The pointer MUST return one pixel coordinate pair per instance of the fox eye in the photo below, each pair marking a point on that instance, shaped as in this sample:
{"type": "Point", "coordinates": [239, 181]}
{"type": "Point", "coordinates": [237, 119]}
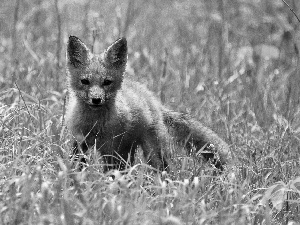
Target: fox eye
{"type": "Point", "coordinates": [85, 81]}
{"type": "Point", "coordinates": [107, 82]}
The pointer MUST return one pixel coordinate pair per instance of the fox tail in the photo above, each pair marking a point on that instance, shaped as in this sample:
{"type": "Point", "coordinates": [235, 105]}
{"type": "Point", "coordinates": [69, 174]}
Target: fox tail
{"type": "Point", "coordinates": [194, 135]}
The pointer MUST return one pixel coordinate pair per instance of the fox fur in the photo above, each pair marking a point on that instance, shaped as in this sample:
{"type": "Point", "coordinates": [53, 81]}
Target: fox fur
{"type": "Point", "coordinates": [114, 114]}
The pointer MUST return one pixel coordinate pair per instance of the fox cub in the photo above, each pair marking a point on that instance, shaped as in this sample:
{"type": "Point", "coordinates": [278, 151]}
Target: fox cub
{"type": "Point", "coordinates": [113, 114]}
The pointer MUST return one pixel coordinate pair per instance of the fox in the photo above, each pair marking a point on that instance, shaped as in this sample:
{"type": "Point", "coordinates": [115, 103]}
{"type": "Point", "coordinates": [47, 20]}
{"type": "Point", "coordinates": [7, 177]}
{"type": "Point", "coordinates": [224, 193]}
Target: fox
{"type": "Point", "coordinates": [114, 114]}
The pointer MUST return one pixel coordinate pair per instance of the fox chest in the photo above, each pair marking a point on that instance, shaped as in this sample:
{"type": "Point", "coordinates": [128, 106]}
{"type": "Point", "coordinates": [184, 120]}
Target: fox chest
{"type": "Point", "coordinates": [104, 135]}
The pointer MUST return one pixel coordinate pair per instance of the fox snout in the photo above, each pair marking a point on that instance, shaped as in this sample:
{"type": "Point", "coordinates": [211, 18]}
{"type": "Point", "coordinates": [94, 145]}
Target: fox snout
{"type": "Point", "coordinates": [96, 101]}
{"type": "Point", "coordinates": [96, 95]}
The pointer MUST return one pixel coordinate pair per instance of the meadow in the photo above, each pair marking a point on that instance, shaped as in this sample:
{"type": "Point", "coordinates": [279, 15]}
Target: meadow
{"type": "Point", "coordinates": [233, 65]}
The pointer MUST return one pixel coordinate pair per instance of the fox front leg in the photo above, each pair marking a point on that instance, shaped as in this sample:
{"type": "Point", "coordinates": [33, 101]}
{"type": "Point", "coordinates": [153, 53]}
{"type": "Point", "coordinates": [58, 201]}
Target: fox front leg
{"type": "Point", "coordinates": [119, 161]}
{"type": "Point", "coordinates": [79, 154]}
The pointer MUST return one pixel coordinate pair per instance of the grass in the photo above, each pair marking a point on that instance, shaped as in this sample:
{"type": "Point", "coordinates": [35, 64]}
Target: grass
{"type": "Point", "coordinates": [39, 184]}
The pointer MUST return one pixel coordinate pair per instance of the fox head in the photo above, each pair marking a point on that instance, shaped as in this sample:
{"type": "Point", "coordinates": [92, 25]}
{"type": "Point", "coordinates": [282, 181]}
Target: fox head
{"type": "Point", "coordinates": [95, 79]}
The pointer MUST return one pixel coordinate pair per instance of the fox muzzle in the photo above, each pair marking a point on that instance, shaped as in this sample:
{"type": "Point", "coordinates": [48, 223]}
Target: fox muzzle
{"type": "Point", "coordinates": [96, 95]}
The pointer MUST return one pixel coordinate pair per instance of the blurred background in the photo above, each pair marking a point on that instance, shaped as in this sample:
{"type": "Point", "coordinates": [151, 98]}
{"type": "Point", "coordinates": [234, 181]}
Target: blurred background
{"type": "Point", "coordinates": [219, 60]}
{"type": "Point", "coordinates": [232, 64]}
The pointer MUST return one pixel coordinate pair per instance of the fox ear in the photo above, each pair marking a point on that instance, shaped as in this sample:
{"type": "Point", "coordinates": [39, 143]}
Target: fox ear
{"type": "Point", "coordinates": [115, 56]}
{"type": "Point", "coordinates": [78, 53]}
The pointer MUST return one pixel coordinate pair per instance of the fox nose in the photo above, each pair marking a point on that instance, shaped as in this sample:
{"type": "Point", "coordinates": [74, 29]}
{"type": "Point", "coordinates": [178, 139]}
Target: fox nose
{"type": "Point", "coordinates": [96, 101]}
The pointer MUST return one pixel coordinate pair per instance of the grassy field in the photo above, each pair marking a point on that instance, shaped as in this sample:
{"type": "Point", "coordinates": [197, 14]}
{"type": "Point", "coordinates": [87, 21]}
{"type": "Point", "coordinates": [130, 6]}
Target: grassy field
{"type": "Point", "coordinates": [233, 65]}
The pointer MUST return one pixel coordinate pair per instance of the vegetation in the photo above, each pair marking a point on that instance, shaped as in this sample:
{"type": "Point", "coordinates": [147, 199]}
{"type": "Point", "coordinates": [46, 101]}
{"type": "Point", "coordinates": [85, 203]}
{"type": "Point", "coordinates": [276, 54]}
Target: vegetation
{"type": "Point", "coordinates": [231, 64]}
